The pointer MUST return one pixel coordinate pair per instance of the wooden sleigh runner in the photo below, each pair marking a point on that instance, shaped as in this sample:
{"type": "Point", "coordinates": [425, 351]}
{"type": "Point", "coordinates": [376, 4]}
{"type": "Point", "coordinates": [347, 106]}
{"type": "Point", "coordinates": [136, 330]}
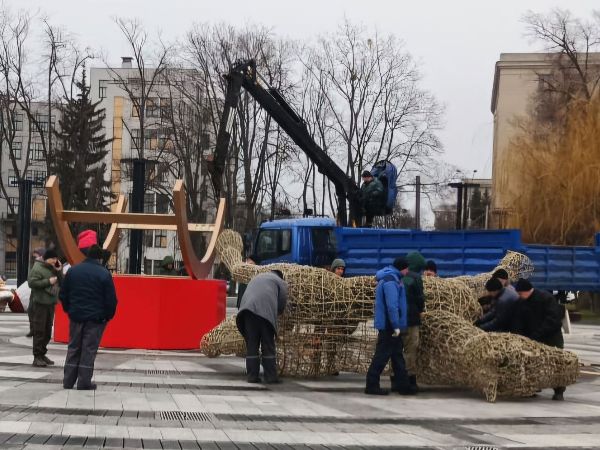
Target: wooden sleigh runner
{"type": "Point", "coordinates": [120, 220]}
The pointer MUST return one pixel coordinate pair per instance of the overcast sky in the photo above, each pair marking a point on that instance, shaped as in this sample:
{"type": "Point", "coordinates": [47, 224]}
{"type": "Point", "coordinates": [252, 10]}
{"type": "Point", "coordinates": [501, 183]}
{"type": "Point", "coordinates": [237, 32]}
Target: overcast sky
{"type": "Point", "coordinates": [456, 42]}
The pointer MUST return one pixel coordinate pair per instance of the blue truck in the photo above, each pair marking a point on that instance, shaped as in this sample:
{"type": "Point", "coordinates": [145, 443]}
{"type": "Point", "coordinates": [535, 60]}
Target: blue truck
{"type": "Point", "coordinates": [317, 241]}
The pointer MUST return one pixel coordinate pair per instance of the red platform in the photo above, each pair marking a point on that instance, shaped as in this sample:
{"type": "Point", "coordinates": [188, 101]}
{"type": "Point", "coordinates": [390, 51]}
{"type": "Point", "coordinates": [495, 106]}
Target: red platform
{"type": "Point", "coordinates": [158, 313]}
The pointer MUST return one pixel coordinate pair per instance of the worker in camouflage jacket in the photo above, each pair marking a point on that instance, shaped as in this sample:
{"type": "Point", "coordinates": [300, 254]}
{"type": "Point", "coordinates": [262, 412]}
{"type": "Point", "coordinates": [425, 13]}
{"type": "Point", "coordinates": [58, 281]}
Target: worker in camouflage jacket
{"type": "Point", "coordinates": [372, 198]}
{"type": "Point", "coordinates": [415, 299]}
{"type": "Point", "coordinates": [44, 280]}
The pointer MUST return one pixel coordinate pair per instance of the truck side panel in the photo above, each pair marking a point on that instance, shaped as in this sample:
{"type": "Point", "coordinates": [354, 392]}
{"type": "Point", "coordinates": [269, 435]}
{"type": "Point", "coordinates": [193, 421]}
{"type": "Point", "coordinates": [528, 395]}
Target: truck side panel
{"type": "Point", "coordinates": [456, 252]}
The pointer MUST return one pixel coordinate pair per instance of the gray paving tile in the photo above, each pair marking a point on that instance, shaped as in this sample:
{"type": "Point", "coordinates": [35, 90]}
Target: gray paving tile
{"type": "Point", "coordinates": [132, 443]}
{"type": "Point", "coordinates": [113, 442]}
{"type": "Point", "coordinates": [187, 444]}
{"type": "Point", "coordinates": [57, 440]}
{"type": "Point", "coordinates": [151, 443]}
{"type": "Point", "coordinates": [94, 442]}
{"type": "Point", "coordinates": [170, 444]}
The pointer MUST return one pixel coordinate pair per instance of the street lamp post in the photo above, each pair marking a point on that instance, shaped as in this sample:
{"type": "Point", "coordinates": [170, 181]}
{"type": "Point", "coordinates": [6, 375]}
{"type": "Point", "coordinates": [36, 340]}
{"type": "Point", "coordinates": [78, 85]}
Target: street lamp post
{"type": "Point", "coordinates": [24, 225]}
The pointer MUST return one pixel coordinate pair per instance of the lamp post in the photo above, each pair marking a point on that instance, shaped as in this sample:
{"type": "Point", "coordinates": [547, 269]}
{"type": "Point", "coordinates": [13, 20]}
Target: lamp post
{"type": "Point", "coordinates": [24, 225]}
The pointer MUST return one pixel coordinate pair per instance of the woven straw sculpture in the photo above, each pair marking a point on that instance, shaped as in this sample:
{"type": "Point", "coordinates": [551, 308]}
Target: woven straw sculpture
{"type": "Point", "coordinates": [328, 327]}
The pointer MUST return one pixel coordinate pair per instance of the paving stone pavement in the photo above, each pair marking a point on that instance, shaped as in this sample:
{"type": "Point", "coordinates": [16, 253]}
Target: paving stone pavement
{"type": "Point", "coordinates": [181, 400]}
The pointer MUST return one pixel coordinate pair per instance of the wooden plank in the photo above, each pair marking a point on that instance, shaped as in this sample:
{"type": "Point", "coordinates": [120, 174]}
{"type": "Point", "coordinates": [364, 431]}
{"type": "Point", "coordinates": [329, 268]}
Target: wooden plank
{"type": "Point", "coordinates": [116, 217]}
{"type": "Point", "coordinates": [205, 227]}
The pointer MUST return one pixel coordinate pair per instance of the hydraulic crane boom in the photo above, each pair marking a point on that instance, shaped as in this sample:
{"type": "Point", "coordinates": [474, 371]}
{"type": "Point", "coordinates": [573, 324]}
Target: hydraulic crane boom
{"type": "Point", "coordinates": [243, 74]}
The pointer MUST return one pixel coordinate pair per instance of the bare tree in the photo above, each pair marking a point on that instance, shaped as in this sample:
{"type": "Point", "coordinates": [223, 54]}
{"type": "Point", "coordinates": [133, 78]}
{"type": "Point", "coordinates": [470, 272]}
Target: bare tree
{"type": "Point", "coordinates": [379, 110]}
{"type": "Point", "coordinates": [573, 41]}
{"type": "Point", "coordinates": [211, 50]}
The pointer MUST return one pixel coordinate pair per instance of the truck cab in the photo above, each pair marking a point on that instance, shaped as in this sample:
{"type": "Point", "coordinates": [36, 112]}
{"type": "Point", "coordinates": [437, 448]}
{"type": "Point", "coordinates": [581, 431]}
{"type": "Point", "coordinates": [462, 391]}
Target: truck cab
{"type": "Point", "coordinates": [310, 242]}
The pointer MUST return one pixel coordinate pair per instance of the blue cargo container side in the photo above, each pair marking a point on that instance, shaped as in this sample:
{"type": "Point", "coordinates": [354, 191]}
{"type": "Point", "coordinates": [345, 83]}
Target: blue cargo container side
{"type": "Point", "coordinates": [455, 252]}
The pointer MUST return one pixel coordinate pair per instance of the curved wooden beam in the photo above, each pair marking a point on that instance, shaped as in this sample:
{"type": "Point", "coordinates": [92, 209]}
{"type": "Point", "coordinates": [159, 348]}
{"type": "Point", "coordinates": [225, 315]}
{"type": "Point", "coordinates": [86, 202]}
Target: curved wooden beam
{"type": "Point", "coordinates": [112, 238]}
{"type": "Point", "coordinates": [196, 268]}
{"type": "Point", "coordinates": [63, 232]}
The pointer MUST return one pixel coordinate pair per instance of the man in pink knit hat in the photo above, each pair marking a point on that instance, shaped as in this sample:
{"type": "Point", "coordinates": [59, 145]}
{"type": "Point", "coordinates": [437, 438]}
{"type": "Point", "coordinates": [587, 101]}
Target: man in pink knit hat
{"type": "Point", "coordinates": [86, 239]}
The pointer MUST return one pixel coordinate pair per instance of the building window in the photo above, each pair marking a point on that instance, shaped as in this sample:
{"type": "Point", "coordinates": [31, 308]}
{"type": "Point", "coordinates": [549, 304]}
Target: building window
{"type": "Point", "coordinates": [37, 151]}
{"type": "Point", "coordinates": [162, 204]}
{"type": "Point", "coordinates": [36, 175]}
{"type": "Point", "coordinates": [14, 203]}
{"type": "Point", "coordinates": [135, 108]}
{"type": "Point", "coordinates": [10, 264]}
{"type": "Point", "coordinates": [160, 238]}
{"type": "Point", "coordinates": [42, 121]}
{"type": "Point", "coordinates": [17, 146]}
{"type": "Point", "coordinates": [148, 238]}
{"type": "Point", "coordinates": [152, 107]}
{"type": "Point", "coordinates": [12, 178]}
{"type": "Point", "coordinates": [17, 119]}
{"type": "Point", "coordinates": [102, 88]}
{"type": "Point", "coordinates": [135, 137]}
{"type": "Point", "coordinates": [149, 203]}
{"type": "Point", "coordinates": [165, 108]}
{"type": "Point", "coordinates": [151, 139]}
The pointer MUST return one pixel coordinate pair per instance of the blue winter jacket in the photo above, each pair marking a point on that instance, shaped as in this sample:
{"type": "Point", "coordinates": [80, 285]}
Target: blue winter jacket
{"type": "Point", "coordinates": [390, 300]}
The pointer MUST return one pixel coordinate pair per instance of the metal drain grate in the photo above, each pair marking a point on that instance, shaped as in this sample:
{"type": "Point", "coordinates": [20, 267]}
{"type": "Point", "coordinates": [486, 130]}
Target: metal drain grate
{"type": "Point", "coordinates": [184, 415]}
{"type": "Point", "coordinates": [481, 447]}
{"type": "Point", "coordinates": [161, 372]}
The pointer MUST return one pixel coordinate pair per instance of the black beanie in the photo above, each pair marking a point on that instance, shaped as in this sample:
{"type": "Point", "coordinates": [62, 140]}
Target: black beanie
{"type": "Point", "coordinates": [431, 265]}
{"type": "Point", "coordinates": [523, 285]}
{"type": "Point", "coordinates": [501, 273]}
{"type": "Point", "coordinates": [95, 252]}
{"type": "Point", "coordinates": [50, 253]}
{"type": "Point", "coordinates": [493, 284]}
{"type": "Point", "coordinates": [400, 263]}
{"type": "Point", "coordinates": [366, 173]}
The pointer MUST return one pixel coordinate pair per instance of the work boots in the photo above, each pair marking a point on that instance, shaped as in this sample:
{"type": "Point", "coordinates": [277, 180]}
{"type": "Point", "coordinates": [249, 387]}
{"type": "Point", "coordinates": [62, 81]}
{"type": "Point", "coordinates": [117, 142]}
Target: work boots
{"type": "Point", "coordinates": [270, 370]}
{"type": "Point", "coordinates": [253, 369]}
{"type": "Point", "coordinates": [412, 380]}
{"type": "Point", "coordinates": [47, 360]}
{"type": "Point", "coordinates": [39, 362]}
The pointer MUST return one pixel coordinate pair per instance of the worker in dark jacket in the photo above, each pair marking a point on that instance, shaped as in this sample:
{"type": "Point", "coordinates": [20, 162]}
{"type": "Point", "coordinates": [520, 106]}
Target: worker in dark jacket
{"type": "Point", "coordinates": [264, 299]}
{"type": "Point", "coordinates": [538, 316]}
{"type": "Point", "coordinates": [390, 319]}
{"type": "Point", "coordinates": [88, 297]}
{"type": "Point", "coordinates": [372, 198]}
{"type": "Point", "coordinates": [500, 316]}
{"type": "Point", "coordinates": [415, 299]}
{"type": "Point", "coordinates": [167, 267]}
{"type": "Point", "coordinates": [44, 280]}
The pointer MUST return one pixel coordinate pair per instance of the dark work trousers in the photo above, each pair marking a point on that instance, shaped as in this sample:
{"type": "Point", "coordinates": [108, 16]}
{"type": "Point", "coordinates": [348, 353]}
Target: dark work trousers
{"type": "Point", "coordinates": [387, 347]}
{"type": "Point", "coordinates": [259, 333]}
{"type": "Point", "coordinates": [84, 339]}
{"type": "Point", "coordinates": [30, 315]}
{"type": "Point", "coordinates": [43, 317]}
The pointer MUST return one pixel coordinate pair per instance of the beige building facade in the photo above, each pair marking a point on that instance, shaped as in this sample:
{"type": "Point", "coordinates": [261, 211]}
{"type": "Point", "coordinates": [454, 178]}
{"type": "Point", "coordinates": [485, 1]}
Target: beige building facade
{"type": "Point", "coordinates": [517, 78]}
{"type": "Point", "coordinates": [121, 123]}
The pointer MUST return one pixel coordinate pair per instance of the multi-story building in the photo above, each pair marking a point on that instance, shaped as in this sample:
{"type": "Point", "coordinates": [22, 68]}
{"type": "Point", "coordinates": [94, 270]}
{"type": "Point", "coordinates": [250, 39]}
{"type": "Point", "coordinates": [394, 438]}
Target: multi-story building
{"type": "Point", "coordinates": [116, 90]}
{"type": "Point", "coordinates": [22, 156]}
{"type": "Point", "coordinates": [517, 78]}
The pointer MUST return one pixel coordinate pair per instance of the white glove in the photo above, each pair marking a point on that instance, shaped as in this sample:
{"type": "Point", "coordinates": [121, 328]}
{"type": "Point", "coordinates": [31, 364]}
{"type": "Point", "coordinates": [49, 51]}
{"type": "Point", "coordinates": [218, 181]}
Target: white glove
{"type": "Point", "coordinates": [396, 332]}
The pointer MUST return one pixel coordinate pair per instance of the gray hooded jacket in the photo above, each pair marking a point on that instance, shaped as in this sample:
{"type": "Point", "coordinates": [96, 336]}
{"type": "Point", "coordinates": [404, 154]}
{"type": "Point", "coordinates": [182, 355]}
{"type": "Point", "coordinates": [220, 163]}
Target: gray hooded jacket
{"type": "Point", "coordinates": [265, 296]}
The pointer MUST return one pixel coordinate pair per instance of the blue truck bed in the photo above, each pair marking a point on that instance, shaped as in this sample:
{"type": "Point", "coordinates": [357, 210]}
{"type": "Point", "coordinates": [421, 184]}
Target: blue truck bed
{"type": "Point", "coordinates": [470, 252]}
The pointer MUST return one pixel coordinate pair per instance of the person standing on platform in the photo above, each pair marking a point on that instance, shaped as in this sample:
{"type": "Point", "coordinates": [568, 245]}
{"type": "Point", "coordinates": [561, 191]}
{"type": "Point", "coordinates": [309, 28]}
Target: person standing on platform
{"type": "Point", "coordinates": [88, 297]}
{"type": "Point", "coordinates": [44, 281]}
{"type": "Point", "coordinates": [263, 301]}
{"type": "Point", "coordinates": [38, 255]}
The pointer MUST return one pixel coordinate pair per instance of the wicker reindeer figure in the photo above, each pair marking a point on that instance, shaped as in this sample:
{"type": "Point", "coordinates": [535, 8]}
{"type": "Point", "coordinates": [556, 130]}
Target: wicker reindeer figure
{"type": "Point", "coordinates": [327, 328]}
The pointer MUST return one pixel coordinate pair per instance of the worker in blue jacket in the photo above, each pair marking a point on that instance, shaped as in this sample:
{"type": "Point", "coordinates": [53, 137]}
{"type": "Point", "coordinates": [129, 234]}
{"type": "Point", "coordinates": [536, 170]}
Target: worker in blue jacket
{"type": "Point", "coordinates": [390, 319]}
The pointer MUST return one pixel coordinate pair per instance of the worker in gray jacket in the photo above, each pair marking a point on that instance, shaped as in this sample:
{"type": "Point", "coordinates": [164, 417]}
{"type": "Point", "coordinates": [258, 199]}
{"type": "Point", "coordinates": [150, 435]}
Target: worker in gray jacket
{"type": "Point", "coordinates": [264, 299]}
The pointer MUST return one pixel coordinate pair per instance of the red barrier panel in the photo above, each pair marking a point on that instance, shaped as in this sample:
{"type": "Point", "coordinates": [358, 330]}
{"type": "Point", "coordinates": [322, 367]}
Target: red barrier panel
{"type": "Point", "coordinates": [158, 313]}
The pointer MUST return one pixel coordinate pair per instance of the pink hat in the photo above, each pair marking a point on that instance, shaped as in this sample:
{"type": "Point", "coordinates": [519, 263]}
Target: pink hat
{"type": "Point", "coordinates": [86, 239]}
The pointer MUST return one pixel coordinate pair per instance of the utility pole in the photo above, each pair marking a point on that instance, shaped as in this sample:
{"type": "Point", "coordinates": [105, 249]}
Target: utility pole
{"type": "Point", "coordinates": [418, 203]}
